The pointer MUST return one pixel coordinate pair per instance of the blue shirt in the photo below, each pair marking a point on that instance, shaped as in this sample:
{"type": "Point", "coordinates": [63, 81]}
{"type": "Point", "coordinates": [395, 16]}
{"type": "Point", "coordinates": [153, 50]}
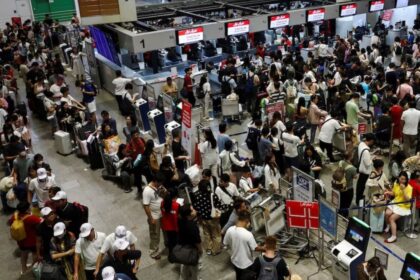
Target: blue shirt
{"type": "Point", "coordinates": [87, 98]}
{"type": "Point", "coordinates": [221, 140]}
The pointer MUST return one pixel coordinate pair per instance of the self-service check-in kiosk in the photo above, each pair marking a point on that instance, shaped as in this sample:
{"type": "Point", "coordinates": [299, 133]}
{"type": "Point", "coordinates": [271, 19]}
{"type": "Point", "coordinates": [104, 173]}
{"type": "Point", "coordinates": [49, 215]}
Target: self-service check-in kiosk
{"type": "Point", "coordinates": [157, 122]}
{"type": "Point", "coordinates": [411, 267]}
{"type": "Point", "coordinates": [142, 108]}
{"type": "Point", "coordinates": [350, 252]}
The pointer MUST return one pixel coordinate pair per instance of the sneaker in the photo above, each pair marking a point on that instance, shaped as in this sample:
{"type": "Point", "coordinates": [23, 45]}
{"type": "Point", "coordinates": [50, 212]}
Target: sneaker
{"type": "Point", "coordinates": [128, 190]}
{"type": "Point", "coordinates": [208, 252]}
{"type": "Point", "coordinates": [210, 119]}
{"type": "Point", "coordinates": [155, 255]}
{"type": "Point", "coordinates": [392, 239]}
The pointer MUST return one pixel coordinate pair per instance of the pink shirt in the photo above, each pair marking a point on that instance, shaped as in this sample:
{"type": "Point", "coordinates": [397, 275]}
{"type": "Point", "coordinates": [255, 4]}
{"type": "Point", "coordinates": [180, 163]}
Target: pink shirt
{"type": "Point", "coordinates": [403, 90]}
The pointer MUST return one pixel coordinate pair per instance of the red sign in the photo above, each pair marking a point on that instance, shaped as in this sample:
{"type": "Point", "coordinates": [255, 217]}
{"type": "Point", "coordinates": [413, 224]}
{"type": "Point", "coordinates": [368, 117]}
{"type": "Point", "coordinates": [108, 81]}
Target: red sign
{"type": "Point", "coordinates": [348, 10]}
{"type": "Point", "coordinates": [377, 5]}
{"type": "Point", "coordinates": [279, 21]}
{"type": "Point", "coordinates": [362, 128]}
{"type": "Point", "coordinates": [270, 108]}
{"type": "Point", "coordinates": [186, 113]}
{"type": "Point", "coordinates": [191, 35]}
{"type": "Point", "coordinates": [387, 15]}
{"type": "Point", "coordinates": [302, 214]}
{"type": "Point", "coordinates": [237, 27]}
{"type": "Point", "coordinates": [316, 15]}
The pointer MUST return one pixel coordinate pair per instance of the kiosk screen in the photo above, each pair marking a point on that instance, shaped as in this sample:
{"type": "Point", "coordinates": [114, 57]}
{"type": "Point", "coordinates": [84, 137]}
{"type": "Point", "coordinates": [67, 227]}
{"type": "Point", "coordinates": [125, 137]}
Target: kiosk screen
{"type": "Point", "coordinates": [411, 268]}
{"type": "Point", "coordinates": [357, 234]}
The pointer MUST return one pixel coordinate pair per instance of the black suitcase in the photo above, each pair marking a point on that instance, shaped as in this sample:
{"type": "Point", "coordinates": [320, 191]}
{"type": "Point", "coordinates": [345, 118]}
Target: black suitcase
{"type": "Point", "coordinates": [95, 157]}
{"type": "Point", "coordinates": [21, 109]}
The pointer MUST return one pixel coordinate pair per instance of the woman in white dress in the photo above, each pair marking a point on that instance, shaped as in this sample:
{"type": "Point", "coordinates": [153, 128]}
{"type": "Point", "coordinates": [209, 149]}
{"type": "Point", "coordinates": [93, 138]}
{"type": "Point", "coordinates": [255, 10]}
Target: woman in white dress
{"type": "Point", "coordinates": [78, 68]}
{"type": "Point", "coordinates": [271, 174]}
{"type": "Point", "coordinates": [208, 150]}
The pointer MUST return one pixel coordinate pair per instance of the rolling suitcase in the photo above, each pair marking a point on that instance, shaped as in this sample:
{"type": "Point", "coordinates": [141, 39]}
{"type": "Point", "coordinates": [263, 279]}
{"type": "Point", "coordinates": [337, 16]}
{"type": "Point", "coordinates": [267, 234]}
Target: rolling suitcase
{"type": "Point", "coordinates": [95, 157]}
{"type": "Point", "coordinates": [62, 142]}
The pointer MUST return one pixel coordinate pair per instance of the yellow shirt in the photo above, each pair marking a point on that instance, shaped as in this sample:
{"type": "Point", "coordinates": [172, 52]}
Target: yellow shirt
{"type": "Point", "coordinates": [170, 90]}
{"type": "Point", "coordinates": [399, 195]}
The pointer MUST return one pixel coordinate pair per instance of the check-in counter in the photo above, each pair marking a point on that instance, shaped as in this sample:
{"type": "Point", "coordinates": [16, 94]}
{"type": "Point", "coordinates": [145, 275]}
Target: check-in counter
{"type": "Point", "coordinates": [394, 33]}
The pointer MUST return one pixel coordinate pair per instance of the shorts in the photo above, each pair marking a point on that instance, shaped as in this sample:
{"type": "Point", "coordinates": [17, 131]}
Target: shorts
{"type": "Point", "coordinates": [27, 249]}
{"type": "Point", "coordinates": [91, 106]}
{"type": "Point", "coordinates": [396, 209]}
{"type": "Point", "coordinates": [292, 162]}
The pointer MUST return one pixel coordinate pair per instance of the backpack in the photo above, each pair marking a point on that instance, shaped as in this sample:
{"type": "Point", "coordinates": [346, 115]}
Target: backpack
{"type": "Point", "coordinates": [249, 86]}
{"type": "Point", "coordinates": [84, 211]}
{"type": "Point", "coordinates": [225, 86]}
{"type": "Point", "coordinates": [291, 91]}
{"type": "Point", "coordinates": [252, 138]}
{"type": "Point", "coordinates": [356, 160]}
{"type": "Point", "coordinates": [268, 270]}
{"type": "Point", "coordinates": [200, 93]}
{"type": "Point", "coordinates": [17, 228]}
{"type": "Point", "coordinates": [398, 50]}
{"type": "Point", "coordinates": [126, 105]}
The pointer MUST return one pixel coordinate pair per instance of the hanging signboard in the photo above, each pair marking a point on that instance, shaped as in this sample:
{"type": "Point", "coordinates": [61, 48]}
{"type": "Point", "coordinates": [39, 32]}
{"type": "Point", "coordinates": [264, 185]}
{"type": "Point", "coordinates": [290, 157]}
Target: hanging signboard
{"type": "Point", "coordinates": [191, 35]}
{"type": "Point", "coordinates": [316, 15]}
{"type": "Point", "coordinates": [348, 10]}
{"type": "Point", "coordinates": [303, 186]}
{"type": "Point", "coordinates": [186, 126]}
{"type": "Point", "coordinates": [376, 5]}
{"type": "Point", "coordinates": [401, 3]}
{"type": "Point", "coordinates": [237, 27]}
{"type": "Point", "coordinates": [278, 21]}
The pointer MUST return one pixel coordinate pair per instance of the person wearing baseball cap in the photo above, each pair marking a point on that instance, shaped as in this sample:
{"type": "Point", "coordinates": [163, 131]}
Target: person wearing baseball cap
{"type": "Point", "coordinates": [87, 250]}
{"type": "Point", "coordinates": [120, 232]}
{"type": "Point", "coordinates": [123, 258]}
{"type": "Point", "coordinates": [108, 273]}
{"type": "Point", "coordinates": [73, 213]}
{"type": "Point", "coordinates": [62, 248]}
{"type": "Point", "coordinates": [40, 186]}
{"type": "Point", "coordinates": [45, 232]}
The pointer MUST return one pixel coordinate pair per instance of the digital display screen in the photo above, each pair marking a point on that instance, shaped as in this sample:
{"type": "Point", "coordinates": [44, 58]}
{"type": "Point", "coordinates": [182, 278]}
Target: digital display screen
{"type": "Point", "coordinates": [377, 5]}
{"type": "Point", "coordinates": [358, 234]}
{"type": "Point", "coordinates": [191, 35]}
{"type": "Point", "coordinates": [401, 3]}
{"type": "Point", "coordinates": [278, 21]}
{"type": "Point", "coordinates": [316, 15]}
{"type": "Point", "coordinates": [348, 10]}
{"type": "Point", "coordinates": [237, 27]}
{"type": "Point", "coordinates": [411, 268]}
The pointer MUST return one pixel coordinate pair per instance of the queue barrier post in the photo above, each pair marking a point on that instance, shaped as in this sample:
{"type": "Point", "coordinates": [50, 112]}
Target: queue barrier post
{"type": "Point", "coordinates": [411, 233]}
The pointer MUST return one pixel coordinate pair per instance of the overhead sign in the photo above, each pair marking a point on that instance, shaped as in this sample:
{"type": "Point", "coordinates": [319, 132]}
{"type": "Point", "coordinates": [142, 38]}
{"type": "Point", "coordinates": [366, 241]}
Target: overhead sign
{"type": "Point", "coordinates": [302, 214]}
{"type": "Point", "coordinates": [316, 15]}
{"type": "Point", "coordinates": [278, 21]}
{"type": "Point", "coordinates": [237, 27]}
{"type": "Point", "coordinates": [348, 10]}
{"type": "Point", "coordinates": [191, 35]}
{"type": "Point", "coordinates": [376, 5]}
{"type": "Point", "coordinates": [401, 3]}
{"type": "Point", "coordinates": [387, 15]}
{"type": "Point", "coordinates": [303, 186]}
{"type": "Point", "coordinates": [186, 126]}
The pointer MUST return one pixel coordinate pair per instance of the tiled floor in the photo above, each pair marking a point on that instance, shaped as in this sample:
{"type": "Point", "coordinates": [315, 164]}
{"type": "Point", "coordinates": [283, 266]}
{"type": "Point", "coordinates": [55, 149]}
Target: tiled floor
{"type": "Point", "coordinates": [110, 206]}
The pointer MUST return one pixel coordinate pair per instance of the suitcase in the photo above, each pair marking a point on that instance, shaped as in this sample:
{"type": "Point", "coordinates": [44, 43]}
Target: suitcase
{"type": "Point", "coordinates": [95, 156]}
{"type": "Point", "coordinates": [21, 109]}
{"type": "Point", "coordinates": [62, 142]}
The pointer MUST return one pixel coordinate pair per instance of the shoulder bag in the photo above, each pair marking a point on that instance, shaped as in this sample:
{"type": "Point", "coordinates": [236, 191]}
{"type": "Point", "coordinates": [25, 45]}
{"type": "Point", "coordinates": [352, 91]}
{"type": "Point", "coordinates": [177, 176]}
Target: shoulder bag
{"type": "Point", "coordinates": [184, 254]}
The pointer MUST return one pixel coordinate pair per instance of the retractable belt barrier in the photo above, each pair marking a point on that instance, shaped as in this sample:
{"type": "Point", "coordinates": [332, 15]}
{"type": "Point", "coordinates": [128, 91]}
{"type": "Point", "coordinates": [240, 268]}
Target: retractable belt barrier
{"type": "Point", "coordinates": [237, 134]}
{"type": "Point", "coordinates": [374, 206]}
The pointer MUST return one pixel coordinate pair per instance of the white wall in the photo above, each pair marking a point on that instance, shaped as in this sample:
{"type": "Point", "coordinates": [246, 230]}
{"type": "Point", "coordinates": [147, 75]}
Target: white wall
{"type": "Point", "coordinates": [346, 24]}
{"type": "Point", "coordinates": [14, 8]}
{"type": "Point", "coordinates": [408, 14]}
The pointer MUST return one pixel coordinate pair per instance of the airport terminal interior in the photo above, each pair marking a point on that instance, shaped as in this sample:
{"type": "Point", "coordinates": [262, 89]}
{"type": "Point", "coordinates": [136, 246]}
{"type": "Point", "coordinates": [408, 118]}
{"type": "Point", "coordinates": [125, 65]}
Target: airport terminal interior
{"type": "Point", "coordinates": [187, 140]}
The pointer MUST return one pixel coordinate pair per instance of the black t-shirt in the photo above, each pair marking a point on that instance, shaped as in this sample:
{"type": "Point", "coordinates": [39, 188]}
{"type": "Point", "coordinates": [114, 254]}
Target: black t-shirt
{"type": "Point", "coordinates": [391, 78]}
{"type": "Point", "coordinates": [11, 150]}
{"type": "Point", "coordinates": [124, 266]}
{"type": "Point", "coordinates": [46, 232]}
{"type": "Point", "coordinates": [188, 231]}
{"type": "Point", "coordinates": [281, 267]}
{"type": "Point", "coordinates": [73, 214]}
{"type": "Point", "coordinates": [177, 151]}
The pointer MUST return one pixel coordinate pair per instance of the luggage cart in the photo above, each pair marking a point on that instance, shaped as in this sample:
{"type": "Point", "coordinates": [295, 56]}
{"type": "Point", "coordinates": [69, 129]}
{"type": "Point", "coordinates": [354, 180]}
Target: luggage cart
{"type": "Point", "coordinates": [231, 109]}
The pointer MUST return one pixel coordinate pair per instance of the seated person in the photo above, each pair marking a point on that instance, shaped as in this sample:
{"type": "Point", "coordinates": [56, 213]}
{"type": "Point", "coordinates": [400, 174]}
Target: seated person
{"type": "Point", "coordinates": [371, 269]}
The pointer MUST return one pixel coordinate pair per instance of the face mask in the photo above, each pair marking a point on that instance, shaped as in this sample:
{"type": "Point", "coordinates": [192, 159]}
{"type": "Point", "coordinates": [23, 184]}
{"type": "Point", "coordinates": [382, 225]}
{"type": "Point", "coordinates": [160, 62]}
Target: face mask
{"type": "Point", "coordinates": [61, 236]}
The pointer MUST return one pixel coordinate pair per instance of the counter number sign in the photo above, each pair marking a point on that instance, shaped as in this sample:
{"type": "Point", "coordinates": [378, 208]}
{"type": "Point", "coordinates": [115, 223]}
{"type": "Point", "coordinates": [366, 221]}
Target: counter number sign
{"type": "Point", "coordinates": [191, 35]}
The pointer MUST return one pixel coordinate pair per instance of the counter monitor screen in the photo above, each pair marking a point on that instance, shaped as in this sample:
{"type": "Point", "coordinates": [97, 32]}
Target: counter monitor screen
{"type": "Point", "coordinates": [401, 3]}
{"type": "Point", "coordinates": [376, 5]}
{"type": "Point", "coordinates": [348, 10]}
{"type": "Point", "coordinates": [237, 27]}
{"type": "Point", "coordinates": [316, 15]}
{"type": "Point", "coordinates": [411, 268]}
{"type": "Point", "coordinates": [190, 35]}
{"type": "Point", "coordinates": [278, 21]}
{"type": "Point", "coordinates": [358, 234]}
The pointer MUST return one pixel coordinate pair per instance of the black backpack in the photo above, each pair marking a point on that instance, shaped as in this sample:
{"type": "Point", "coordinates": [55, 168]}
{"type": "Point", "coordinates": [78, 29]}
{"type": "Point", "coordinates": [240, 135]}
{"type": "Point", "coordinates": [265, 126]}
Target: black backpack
{"type": "Point", "coordinates": [200, 93]}
{"type": "Point", "coordinates": [398, 50]}
{"type": "Point", "coordinates": [252, 138]}
{"type": "Point", "coordinates": [126, 105]}
{"type": "Point", "coordinates": [225, 86]}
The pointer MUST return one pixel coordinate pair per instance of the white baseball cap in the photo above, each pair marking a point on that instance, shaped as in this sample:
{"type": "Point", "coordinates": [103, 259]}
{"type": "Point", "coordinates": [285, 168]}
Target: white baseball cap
{"type": "Point", "coordinates": [60, 195]}
{"type": "Point", "coordinates": [59, 228]}
{"type": "Point", "coordinates": [108, 273]}
{"type": "Point", "coordinates": [41, 173]}
{"type": "Point", "coordinates": [46, 211]}
{"type": "Point", "coordinates": [85, 230]}
{"type": "Point", "coordinates": [120, 232]}
{"type": "Point", "coordinates": [120, 244]}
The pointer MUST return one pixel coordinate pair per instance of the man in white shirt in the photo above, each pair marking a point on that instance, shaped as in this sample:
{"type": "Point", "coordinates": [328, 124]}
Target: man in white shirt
{"type": "Point", "coordinates": [107, 246]}
{"type": "Point", "coordinates": [410, 121]}
{"type": "Point", "coordinates": [151, 204]}
{"type": "Point", "coordinates": [87, 249]}
{"type": "Point", "coordinates": [308, 73]}
{"type": "Point", "coordinates": [119, 82]}
{"type": "Point", "coordinates": [242, 244]}
{"type": "Point", "coordinates": [291, 141]}
{"type": "Point", "coordinates": [328, 128]}
{"type": "Point", "coordinates": [56, 89]}
{"type": "Point", "coordinates": [365, 164]}
{"type": "Point", "coordinates": [226, 190]}
{"type": "Point", "coordinates": [245, 183]}
{"type": "Point", "coordinates": [40, 186]}
{"type": "Point", "coordinates": [375, 39]}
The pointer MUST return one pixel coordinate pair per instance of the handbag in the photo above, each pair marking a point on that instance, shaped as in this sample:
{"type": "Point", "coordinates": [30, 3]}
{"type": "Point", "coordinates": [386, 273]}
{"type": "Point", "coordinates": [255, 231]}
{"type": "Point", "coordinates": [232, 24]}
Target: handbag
{"type": "Point", "coordinates": [37, 270]}
{"type": "Point", "coordinates": [215, 213]}
{"type": "Point", "coordinates": [51, 271]}
{"type": "Point", "coordinates": [184, 254]}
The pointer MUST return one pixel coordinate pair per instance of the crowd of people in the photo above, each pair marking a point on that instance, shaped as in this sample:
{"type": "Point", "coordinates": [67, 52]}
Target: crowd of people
{"type": "Point", "coordinates": [330, 93]}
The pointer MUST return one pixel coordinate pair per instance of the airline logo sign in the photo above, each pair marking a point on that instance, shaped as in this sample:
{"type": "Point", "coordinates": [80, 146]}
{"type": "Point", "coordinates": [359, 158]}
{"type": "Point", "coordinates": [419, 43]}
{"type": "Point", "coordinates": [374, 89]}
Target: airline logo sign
{"type": "Point", "coordinates": [237, 27]}
{"type": "Point", "coordinates": [316, 15]}
{"type": "Point", "coordinates": [192, 35]}
{"type": "Point", "coordinates": [377, 5]}
{"type": "Point", "coordinates": [348, 10]}
{"type": "Point", "coordinates": [279, 21]}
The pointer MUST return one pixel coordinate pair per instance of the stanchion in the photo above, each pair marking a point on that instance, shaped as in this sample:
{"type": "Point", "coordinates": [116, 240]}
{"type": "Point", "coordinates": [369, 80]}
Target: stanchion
{"type": "Point", "coordinates": [411, 234]}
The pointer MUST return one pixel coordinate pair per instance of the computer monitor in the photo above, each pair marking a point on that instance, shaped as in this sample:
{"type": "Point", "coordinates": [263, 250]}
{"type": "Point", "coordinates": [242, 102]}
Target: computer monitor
{"type": "Point", "coordinates": [358, 234]}
{"type": "Point", "coordinates": [411, 267]}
